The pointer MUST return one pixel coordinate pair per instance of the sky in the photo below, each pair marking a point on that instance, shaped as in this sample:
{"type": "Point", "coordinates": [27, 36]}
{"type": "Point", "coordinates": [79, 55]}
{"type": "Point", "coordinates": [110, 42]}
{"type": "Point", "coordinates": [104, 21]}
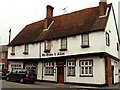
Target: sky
{"type": "Point", "coordinates": [16, 14]}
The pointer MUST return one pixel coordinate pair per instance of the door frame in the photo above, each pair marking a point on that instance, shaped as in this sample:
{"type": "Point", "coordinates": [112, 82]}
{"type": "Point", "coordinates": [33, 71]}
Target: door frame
{"type": "Point", "coordinates": [60, 65]}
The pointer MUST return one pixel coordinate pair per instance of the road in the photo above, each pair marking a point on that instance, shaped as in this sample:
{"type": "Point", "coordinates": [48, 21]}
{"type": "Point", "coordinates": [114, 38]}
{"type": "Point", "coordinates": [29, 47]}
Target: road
{"type": "Point", "coordinates": [48, 85]}
{"type": "Point", "coordinates": [8, 84]}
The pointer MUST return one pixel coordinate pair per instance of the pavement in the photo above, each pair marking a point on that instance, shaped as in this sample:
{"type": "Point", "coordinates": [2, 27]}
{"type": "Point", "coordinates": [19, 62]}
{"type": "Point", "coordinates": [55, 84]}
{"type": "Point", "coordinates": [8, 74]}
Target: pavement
{"type": "Point", "coordinates": [58, 85]}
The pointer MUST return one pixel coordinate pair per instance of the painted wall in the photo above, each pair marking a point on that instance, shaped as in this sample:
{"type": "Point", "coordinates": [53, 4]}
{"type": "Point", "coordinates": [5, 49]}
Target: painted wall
{"type": "Point", "coordinates": [96, 44]}
{"type": "Point", "coordinates": [119, 71]}
{"type": "Point", "coordinates": [111, 29]}
{"type": "Point", "coordinates": [98, 72]}
{"type": "Point", "coordinates": [33, 52]}
{"type": "Point", "coordinates": [41, 73]}
{"type": "Point", "coordinates": [14, 62]}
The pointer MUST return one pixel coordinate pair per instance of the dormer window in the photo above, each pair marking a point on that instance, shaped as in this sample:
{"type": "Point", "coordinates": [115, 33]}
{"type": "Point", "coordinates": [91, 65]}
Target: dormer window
{"type": "Point", "coordinates": [47, 46]}
{"type": "Point", "coordinates": [26, 48]}
{"type": "Point", "coordinates": [107, 39]}
{"type": "Point", "coordinates": [85, 40]}
{"type": "Point", "coordinates": [13, 50]}
{"type": "Point", "coordinates": [63, 44]}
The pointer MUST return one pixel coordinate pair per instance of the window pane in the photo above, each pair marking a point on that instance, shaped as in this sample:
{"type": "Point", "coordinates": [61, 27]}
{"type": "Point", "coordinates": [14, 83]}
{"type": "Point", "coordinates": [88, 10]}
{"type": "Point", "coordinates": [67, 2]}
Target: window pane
{"type": "Point", "coordinates": [85, 42]}
{"type": "Point", "coordinates": [90, 62]}
{"type": "Point", "coordinates": [86, 63]}
{"type": "Point", "coordinates": [49, 67]}
{"type": "Point", "coordinates": [82, 70]}
{"type": "Point", "coordinates": [107, 39]}
{"type": "Point", "coordinates": [63, 43]}
{"type": "Point", "coordinates": [13, 49]}
{"type": "Point", "coordinates": [68, 70]}
{"type": "Point", "coordinates": [73, 71]}
{"type": "Point", "coordinates": [82, 63]}
{"type": "Point", "coordinates": [90, 70]}
{"type": "Point", "coordinates": [71, 67]}
{"type": "Point", "coordinates": [26, 47]}
{"type": "Point", "coordinates": [85, 39]}
{"type": "Point", "coordinates": [47, 45]}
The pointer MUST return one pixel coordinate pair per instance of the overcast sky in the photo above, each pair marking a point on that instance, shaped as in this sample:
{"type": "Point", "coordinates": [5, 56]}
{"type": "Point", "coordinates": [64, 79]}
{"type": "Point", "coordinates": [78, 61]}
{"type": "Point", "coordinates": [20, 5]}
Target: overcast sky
{"type": "Point", "coordinates": [16, 14]}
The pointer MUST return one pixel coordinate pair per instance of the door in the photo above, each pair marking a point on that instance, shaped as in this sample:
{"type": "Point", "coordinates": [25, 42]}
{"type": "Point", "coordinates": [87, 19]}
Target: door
{"type": "Point", "coordinates": [60, 74]}
{"type": "Point", "coordinates": [60, 71]}
{"type": "Point", "coordinates": [112, 74]}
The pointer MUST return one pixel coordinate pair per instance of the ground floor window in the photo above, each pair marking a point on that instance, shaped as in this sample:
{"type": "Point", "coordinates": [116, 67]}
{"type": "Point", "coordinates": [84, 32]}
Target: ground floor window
{"type": "Point", "coordinates": [86, 68]}
{"type": "Point", "coordinates": [71, 67]}
{"type": "Point", "coordinates": [31, 66]}
{"type": "Point", "coordinates": [49, 68]}
{"type": "Point", "coordinates": [16, 66]}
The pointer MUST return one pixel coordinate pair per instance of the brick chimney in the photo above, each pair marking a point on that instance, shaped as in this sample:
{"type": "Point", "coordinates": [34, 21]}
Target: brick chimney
{"type": "Point", "coordinates": [102, 7]}
{"type": "Point", "coordinates": [49, 15]}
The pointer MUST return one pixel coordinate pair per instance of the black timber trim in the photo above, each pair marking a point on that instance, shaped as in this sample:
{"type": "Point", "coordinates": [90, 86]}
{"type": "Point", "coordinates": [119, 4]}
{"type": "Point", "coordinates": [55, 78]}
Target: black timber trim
{"type": "Point", "coordinates": [101, 54]}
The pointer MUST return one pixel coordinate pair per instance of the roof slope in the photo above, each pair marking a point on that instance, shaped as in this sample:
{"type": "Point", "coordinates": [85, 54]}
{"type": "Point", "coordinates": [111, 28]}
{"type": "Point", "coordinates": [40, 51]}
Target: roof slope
{"type": "Point", "coordinates": [83, 21]}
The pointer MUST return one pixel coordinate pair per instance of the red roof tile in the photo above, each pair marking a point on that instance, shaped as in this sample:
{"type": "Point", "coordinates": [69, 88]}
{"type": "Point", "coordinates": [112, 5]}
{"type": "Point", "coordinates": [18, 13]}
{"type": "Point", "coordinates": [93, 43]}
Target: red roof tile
{"type": "Point", "coordinates": [83, 21]}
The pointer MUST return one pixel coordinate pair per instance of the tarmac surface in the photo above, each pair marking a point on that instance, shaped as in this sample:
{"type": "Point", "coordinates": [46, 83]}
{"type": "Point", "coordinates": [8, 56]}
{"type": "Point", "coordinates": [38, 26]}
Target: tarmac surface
{"type": "Point", "coordinates": [72, 86]}
{"type": "Point", "coordinates": [7, 85]}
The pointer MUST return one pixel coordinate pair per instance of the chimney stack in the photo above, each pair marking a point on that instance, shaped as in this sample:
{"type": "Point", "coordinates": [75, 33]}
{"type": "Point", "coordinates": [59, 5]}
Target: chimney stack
{"type": "Point", "coordinates": [49, 15]}
{"type": "Point", "coordinates": [102, 7]}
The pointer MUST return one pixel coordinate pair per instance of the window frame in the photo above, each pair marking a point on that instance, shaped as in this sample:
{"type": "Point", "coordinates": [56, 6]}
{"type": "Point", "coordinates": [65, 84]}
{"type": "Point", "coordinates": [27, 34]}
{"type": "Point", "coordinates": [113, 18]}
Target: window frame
{"type": "Point", "coordinates": [13, 50]}
{"type": "Point", "coordinates": [86, 68]}
{"type": "Point", "coordinates": [47, 46]}
{"type": "Point", "coordinates": [26, 49]}
{"type": "Point", "coordinates": [84, 41]}
{"type": "Point", "coordinates": [50, 68]}
{"type": "Point", "coordinates": [72, 66]}
{"type": "Point", "coordinates": [63, 44]}
{"type": "Point", "coordinates": [16, 66]}
{"type": "Point", "coordinates": [107, 39]}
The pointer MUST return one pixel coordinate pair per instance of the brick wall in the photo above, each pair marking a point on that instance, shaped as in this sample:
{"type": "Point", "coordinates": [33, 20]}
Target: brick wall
{"type": "Point", "coordinates": [108, 70]}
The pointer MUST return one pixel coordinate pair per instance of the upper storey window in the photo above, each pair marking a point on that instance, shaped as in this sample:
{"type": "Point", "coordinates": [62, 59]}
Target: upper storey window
{"type": "Point", "coordinates": [107, 39]}
{"type": "Point", "coordinates": [13, 50]}
{"type": "Point", "coordinates": [47, 46]}
{"type": "Point", "coordinates": [63, 44]}
{"type": "Point", "coordinates": [85, 40]}
{"type": "Point", "coordinates": [26, 49]}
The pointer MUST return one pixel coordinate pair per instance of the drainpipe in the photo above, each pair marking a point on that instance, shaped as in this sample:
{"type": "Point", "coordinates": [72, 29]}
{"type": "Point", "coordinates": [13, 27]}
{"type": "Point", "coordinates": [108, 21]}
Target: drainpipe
{"type": "Point", "coordinates": [42, 70]}
{"type": "Point", "coordinates": [40, 59]}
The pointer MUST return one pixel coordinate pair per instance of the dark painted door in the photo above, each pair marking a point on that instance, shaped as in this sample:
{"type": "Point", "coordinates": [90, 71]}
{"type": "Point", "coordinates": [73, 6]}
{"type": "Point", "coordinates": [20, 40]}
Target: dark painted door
{"type": "Point", "coordinates": [60, 74]}
{"type": "Point", "coordinates": [112, 74]}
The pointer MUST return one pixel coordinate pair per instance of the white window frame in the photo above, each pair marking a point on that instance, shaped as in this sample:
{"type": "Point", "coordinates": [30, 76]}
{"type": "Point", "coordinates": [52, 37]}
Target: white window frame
{"type": "Point", "coordinates": [107, 39]}
{"type": "Point", "coordinates": [16, 66]}
{"type": "Point", "coordinates": [49, 68]}
{"type": "Point", "coordinates": [71, 64]}
{"type": "Point", "coordinates": [13, 50]}
{"type": "Point", "coordinates": [26, 49]}
{"type": "Point", "coordinates": [86, 68]}
{"type": "Point", "coordinates": [47, 45]}
{"type": "Point", "coordinates": [64, 43]}
{"type": "Point", "coordinates": [85, 40]}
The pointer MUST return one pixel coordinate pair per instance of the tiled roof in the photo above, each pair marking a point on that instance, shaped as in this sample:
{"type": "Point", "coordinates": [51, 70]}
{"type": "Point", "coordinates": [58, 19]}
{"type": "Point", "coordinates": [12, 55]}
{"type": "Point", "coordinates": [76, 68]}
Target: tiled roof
{"type": "Point", "coordinates": [83, 21]}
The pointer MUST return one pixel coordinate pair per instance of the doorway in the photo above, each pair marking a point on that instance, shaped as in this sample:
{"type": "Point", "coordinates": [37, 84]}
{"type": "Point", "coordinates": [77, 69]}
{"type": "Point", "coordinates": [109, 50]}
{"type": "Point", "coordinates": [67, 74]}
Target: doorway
{"type": "Point", "coordinates": [112, 74]}
{"type": "Point", "coordinates": [60, 72]}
